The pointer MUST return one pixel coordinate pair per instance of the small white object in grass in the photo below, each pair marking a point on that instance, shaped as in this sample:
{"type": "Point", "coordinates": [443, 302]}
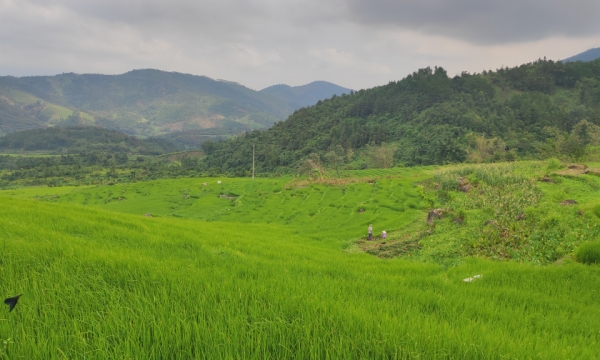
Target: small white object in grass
{"type": "Point", "coordinates": [471, 279]}
{"type": "Point", "coordinates": [218, 182]}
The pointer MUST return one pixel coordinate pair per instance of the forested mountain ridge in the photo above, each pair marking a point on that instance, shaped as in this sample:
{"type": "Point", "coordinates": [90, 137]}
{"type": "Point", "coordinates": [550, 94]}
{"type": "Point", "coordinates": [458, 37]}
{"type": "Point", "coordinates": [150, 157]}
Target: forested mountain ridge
{"type": "Point", "coordinates": [140, 102]}
{"type": "Point", "coordinates": [306, 95]}
{"type": "Point", "coordinates": [429, 118]}
{"type": "Point", "coordinates": [146, 103]}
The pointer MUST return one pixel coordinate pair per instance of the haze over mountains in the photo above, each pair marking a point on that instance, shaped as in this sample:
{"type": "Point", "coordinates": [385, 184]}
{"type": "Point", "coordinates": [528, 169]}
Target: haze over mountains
{"type": "Point", "coordinates": [306, 95]}
{"type": "Point", "coordinates": [587, 55]}
{"type": "Point", "coordinates": [150, 102]}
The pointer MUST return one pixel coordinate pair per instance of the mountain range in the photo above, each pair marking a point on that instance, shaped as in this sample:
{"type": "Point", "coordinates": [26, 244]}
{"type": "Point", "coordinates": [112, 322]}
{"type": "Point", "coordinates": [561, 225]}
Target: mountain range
{"type": "Point", "coordinates": [150, 103]}
{"type": "Point", "coordinates": [587, 55]}
{"type": "Point", "coordinates": [305, 95]}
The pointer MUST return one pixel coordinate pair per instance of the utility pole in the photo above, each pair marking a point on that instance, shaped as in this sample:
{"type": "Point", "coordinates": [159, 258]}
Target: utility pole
{"type": "Point", "coordinates": [253, 145]}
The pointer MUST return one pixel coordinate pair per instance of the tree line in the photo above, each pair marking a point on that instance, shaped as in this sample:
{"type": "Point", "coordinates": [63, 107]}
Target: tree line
{"type": "Point", "coordinates": [544, 108]}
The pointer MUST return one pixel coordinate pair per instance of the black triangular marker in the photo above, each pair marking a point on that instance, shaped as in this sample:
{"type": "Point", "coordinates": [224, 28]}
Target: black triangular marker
{"type": "Point", "coordinates": [12, 302]}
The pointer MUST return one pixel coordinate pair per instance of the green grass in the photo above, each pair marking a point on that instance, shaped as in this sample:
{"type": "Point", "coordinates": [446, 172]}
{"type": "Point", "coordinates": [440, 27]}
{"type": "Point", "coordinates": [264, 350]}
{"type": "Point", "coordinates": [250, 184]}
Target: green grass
{"type": "Point", "coordinates": [102, 285]}
{"type": "Point", "coordinates": [507, 214]}
{"type": "Point", "coordinates": [589, 253]}
{"type": "Point", "coordinates": [274, 268]}
{"type": "Point", "coordinates": [320, 211]}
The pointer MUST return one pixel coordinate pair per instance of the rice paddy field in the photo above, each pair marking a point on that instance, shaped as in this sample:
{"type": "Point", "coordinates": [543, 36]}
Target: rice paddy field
{"type": "Point", "coordinates": [280, 268]}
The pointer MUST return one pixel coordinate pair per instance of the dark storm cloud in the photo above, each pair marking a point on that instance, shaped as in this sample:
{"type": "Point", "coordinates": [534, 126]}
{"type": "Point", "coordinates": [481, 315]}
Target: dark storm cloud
{"type": "Point", "coordinates": [483, 22]}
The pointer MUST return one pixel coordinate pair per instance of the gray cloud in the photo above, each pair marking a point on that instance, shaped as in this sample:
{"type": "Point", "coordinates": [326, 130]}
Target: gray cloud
{"type": "Point", "coordinates": [483, 22]}
{"type": "Point", "coordinates": [258, 43]}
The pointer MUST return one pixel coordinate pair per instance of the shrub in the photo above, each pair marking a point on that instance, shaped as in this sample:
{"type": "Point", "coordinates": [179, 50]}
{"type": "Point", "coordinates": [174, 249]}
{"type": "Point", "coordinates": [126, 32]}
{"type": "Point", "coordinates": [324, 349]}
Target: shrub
{"type": "Point", "coordinates": [553, 164]}
{"type": "Point", "coordinates": [589, 253]}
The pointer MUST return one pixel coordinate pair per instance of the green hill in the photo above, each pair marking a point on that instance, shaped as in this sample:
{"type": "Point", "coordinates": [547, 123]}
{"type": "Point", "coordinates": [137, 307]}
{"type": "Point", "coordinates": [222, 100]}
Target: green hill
{"type": "Point", "coordinates": [148, 103]}
{"type": "Point", "coordinates": [540, 109]}
{"type": "Point", "coordinates": [73, 140]}
{"type": "Point", "coordinates": [140, 102]}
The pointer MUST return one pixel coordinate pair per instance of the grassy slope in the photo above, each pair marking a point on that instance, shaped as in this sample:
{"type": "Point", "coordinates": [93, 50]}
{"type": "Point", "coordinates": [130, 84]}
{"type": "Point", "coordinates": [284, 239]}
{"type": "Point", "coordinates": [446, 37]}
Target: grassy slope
{"type": "Point", "coordinates": [391, 201]}
{"type": "Point", "coordinates": [502, 194]}
{"type": "Point", "coordinates": [102, 285]}
{"type": "Point", "coordinates": [262, 275]}
{"type": "Point", "coordinates": [321, 211]}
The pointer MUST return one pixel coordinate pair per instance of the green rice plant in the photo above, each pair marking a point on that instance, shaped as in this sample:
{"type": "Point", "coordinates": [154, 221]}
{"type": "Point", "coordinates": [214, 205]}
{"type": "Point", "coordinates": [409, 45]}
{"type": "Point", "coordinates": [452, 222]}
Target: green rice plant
{"type": "Point", "coordinates": [104, 285]}
{"type": "Point", "coordinates": [588, 253]}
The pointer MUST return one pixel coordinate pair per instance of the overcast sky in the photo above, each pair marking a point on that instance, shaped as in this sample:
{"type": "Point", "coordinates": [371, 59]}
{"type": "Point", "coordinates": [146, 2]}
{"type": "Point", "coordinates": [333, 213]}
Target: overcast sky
{"type": "Point", "coordinates": [258, 43]}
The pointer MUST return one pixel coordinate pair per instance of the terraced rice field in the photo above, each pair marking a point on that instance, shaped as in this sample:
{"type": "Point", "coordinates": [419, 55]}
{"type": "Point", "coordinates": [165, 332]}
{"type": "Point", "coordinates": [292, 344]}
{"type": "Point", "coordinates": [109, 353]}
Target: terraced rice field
{"type": "Point", "coordinates": [262, 269]}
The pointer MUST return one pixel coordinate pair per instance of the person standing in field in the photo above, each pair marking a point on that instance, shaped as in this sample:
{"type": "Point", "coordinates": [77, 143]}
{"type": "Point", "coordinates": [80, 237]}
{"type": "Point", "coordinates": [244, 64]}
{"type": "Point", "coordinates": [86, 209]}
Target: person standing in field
{"type": "Point", "coordinates": [370, 230]}
{"type": "Point", "coordinates": [383, 235]}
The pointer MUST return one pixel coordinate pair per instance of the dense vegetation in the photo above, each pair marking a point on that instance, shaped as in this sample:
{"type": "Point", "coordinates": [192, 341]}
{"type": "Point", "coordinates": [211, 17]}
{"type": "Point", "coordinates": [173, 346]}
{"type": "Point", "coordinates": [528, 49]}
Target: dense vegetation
{"type": "Point", "coordinates": [279, 268]}
{"type": "Point", "coordinates": [193, 139]}
{"type": "Point", "coordinates": [536, 110]}
{"type": "Point", "coordinates": [94, 167]}
{"type": "Point", "coordinates": [140, 102]}
{"type": "Point", "coordinates": [15, 118]}
{"type": "Point", "coordinates": [72, 140]}
{"type": "Point", "coordinates": [525, 211]}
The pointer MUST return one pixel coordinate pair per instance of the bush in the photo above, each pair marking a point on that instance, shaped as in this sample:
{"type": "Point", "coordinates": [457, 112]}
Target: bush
{"type": "Point", "coordinates": [589, 253]}
{"type": "Point", "coordinates": [553, 164]}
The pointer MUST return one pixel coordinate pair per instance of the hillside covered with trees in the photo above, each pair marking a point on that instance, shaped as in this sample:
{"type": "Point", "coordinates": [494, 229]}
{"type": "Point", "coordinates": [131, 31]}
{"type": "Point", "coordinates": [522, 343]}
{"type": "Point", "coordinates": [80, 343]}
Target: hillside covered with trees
{"type": "Point", "coordinates": [535, 110]}
{"type": "Point", "coordinates": [73, 140]}
{"type": "Point", "coordinates": [141, 102]}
